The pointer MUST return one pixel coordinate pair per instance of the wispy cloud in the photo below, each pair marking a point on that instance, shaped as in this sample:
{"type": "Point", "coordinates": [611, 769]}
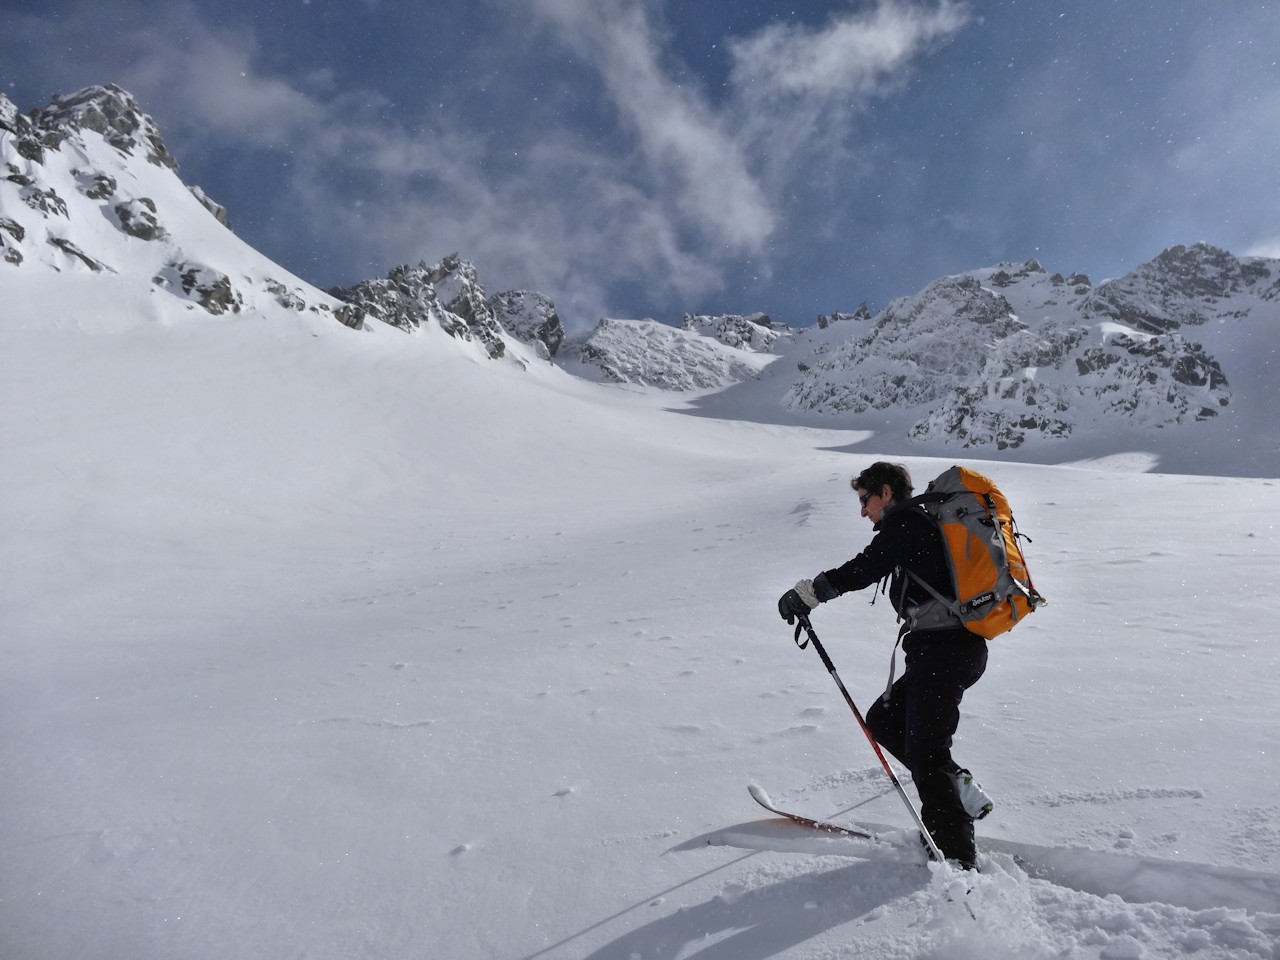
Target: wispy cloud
{"type": "Point", "coordinates": [855, 55]}
{"type": "Point", "coordinates": [722, 170]}
{"type": "Point", "coordinates": [800, 91]}
{"type": "Point", "coordinates": [690, 149]}
{"type": "Point", "coordinates": [674, 190]}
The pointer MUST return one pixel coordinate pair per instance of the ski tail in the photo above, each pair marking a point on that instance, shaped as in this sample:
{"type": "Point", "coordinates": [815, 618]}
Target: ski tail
{"type": "Point", "coordinates": [762, 798]}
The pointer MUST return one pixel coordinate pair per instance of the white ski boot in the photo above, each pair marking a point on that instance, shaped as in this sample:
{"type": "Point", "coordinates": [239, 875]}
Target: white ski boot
{"type": "Point", "coordinates": [976, 802]}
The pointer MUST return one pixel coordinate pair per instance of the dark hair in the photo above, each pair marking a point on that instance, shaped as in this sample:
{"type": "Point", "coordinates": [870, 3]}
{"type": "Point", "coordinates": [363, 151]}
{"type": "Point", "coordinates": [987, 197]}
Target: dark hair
{"type": "Point", "coordinates": [874, 477]}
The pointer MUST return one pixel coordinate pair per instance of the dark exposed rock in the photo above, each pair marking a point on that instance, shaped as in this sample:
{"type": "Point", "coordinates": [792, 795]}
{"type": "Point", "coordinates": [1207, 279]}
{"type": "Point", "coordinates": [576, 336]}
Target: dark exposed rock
{"type": "Point", "coordinates": [752, 332]}
{"type": "Point", "coordinates": [1180, 287]}
{"type": "Point", "coordinates": [71, 250]}
{"type": "Point", "coordinates": [530, 317]}
{"type": "Point", "coordinates": [9, 251]}
{"type": "Point", "coordinates": [982, 375]}
{"type": "Point", "coordinates": [109, 111]}
{"type": "Point", "coordinates": [204, 285]}
{"type": "Point", "coordinates": [447, 293]}
{"type": "Point", "coordinates": [138, 219]}
{"type": "Point", "coordinates": [96, 186]}
{"type": "Point", "coordinates": [862, 313]}
{"type": "Point", "coordinates": [45, 200]}
{"type": "Point", "coordinates": [218, 210]}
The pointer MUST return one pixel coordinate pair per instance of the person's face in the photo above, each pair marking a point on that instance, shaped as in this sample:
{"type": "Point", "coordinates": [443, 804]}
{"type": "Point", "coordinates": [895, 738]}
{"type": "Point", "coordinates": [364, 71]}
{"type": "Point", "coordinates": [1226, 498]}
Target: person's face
{"type": "Point", "coordinates": [875, 504]}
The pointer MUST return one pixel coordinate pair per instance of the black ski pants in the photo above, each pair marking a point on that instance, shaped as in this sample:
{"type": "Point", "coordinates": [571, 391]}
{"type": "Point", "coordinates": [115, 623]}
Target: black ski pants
{"type": "Point", "coordinates": [916, 719]}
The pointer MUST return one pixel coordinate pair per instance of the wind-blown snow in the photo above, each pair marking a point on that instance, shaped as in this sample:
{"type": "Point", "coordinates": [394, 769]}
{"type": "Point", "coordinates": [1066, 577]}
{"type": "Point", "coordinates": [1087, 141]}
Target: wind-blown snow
{"type": "Point", "coordinates": [330, 644]}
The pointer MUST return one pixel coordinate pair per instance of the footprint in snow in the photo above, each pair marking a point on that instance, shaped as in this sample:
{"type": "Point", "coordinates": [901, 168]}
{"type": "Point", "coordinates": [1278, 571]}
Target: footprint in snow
{"type": "Point", "coordinates": [799, 730]}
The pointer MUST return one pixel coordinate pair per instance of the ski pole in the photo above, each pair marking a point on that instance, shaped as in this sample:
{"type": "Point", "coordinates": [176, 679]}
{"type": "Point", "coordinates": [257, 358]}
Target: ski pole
{"type": "Point", "coordinates": [807, 627]}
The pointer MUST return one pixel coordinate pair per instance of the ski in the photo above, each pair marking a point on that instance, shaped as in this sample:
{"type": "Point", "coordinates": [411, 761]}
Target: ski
{"type": "Point", "coordinates": [762, 798]}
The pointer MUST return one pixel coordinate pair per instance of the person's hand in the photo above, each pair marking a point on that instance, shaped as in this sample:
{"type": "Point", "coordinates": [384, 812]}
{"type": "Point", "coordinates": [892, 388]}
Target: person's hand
{"type": "Point", "coordinates": [791, 606]}
{"type": "Point", "coordinates": [799, 601]}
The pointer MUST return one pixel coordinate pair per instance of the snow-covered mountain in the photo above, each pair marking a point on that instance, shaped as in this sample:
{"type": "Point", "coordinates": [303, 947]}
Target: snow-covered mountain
{"type": "Point", "coordinates": [997, 356]}
{"type": "Point", "coordinates": [1008, 357]}
{"type": "Point", "coordinates": [89, 187]}
{"type": "Point", "coordinates": [1175, 359]}
{"type": "Point", "coordinates": [653, 354]}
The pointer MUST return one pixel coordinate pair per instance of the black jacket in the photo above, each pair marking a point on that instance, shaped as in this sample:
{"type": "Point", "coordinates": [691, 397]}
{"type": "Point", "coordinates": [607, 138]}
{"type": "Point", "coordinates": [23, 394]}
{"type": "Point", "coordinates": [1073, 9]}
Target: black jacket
{"type": "Point", "coordinates": [905, 537]}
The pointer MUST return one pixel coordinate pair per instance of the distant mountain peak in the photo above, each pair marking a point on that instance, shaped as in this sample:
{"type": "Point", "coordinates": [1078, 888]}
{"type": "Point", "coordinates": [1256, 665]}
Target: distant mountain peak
{"type": "Point", "coordinates": [654, 354]}
{"type": "Point", "coordinates": [449, 295]}
{"type": "Point", "coordinates": [1182, 287]}
{"type": "Point", "coordinates": [1008, 354]}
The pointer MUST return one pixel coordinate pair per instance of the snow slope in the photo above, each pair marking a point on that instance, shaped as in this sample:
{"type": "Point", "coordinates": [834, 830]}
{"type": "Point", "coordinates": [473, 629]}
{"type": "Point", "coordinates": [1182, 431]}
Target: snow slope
{"type": "Point", "coordinates": [346, 644]}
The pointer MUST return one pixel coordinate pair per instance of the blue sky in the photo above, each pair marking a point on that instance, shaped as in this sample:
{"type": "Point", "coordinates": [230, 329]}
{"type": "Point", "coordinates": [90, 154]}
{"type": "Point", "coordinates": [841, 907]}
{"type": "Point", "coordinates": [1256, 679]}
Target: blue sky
{"type": "Point", "coordinates": [639, 158]}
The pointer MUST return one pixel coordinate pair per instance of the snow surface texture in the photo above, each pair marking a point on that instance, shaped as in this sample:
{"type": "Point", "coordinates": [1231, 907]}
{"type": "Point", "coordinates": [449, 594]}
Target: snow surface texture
{"type": "Point", "coordinates": [334, 643]}
{"type": "Point", "coordinates": [297, 666]}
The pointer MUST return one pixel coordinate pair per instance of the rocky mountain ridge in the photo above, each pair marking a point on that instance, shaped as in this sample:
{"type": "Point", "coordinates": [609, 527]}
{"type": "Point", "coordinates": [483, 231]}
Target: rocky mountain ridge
{"type": "Point", "coordinates": [997, 356]}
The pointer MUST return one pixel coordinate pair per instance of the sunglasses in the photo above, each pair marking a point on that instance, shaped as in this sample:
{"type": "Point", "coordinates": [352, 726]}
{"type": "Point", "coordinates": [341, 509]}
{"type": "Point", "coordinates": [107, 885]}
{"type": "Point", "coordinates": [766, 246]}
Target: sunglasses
{"type": "Point", "coordinates": [864, 497]}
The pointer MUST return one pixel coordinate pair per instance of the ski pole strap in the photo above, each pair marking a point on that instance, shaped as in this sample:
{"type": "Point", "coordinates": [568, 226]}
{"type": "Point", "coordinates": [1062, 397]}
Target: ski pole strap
{"type": "Point", "coordinates": [801, 623]}
{"type": "Point", "coordinates": [804, 624]}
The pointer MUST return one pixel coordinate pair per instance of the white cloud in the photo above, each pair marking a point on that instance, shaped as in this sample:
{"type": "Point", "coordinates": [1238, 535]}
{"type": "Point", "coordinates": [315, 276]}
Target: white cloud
{"type": "Point", "coordinates": [1265, 248]}
{"type": "Point", "coordinates": [214, 79]}
{"type": "Point", "coordinates": [854, 55]}
{"type": "Point", "coordinates": [799, 92]}
{"type": "Point", "coordinates": [686, 143]}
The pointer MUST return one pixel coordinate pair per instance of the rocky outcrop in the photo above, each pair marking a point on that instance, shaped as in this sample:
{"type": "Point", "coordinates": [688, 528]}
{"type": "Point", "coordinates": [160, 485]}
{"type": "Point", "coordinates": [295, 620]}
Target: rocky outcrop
{"type": "Point", "coordinates": [138, 218]}
{"type": "Point", "coordinates": [862, 313]}
{"type": "Point", "coordinates": [218, 210]}
{"type": "Point", "coordinates": [530, 317]}
{"type": "Point", "coordinates": [653, 354]}
{"type": "Point", "coordinates": [913, 353]}
{"type": "Point", "coordinates": [203, 285]}
{"type": "Point", "coordinates": [113, 166]}
{"type": "Point", "coordinates": [1183, 286]}
{"type": "Point", "coordinates": [754, 332]}
{"type": "Point", "coordinates": [447, 294]}
{"type": "Point", "coordinates": [109, 111]}
{"type": "Point", "coordinates": [110, 180]}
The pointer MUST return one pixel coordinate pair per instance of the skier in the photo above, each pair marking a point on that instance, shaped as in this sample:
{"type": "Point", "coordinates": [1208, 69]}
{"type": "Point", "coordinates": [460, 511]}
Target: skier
{"type": "Point", "coordinates": [917, 716]}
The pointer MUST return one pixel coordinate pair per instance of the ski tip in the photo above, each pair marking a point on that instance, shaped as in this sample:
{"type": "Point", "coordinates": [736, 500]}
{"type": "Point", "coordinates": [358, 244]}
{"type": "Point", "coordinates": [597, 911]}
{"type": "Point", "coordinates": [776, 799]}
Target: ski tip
{"type": "Point", "coordinates": [760, 796]}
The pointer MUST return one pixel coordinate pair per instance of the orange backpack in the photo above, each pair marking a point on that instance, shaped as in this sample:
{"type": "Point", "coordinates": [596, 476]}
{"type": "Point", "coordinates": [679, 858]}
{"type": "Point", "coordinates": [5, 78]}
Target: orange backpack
{"type": "Point", "coordinates": [992, 585]}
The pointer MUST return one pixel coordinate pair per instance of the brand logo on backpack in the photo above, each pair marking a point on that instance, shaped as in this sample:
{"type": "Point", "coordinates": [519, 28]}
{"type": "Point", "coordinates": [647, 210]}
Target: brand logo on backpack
{"type": "Point", "coordinates": [991, 584]}
{"type": "Point", "coordinates": [981, 600]}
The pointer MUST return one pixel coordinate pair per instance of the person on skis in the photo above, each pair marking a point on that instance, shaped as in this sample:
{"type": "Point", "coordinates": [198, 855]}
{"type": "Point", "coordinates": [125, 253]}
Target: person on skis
{"type": "Point", "coordinates": [916, 718]}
